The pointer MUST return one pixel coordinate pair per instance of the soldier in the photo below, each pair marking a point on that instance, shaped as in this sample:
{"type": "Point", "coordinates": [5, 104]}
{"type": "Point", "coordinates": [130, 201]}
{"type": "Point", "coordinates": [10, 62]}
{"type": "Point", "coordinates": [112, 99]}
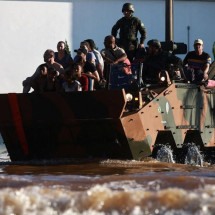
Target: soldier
{"type": "Point", "coordinates": [129, 27]}
{"type": "Point", "coordinates": [158, 61]}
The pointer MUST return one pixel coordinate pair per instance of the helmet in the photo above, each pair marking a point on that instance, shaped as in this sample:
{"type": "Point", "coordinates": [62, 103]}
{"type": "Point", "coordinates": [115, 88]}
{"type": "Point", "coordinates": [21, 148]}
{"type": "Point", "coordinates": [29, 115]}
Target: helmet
{"type": "Point", "coordinates": [155, 43]}
{"type": "Point", "coordinates": [128, 6]}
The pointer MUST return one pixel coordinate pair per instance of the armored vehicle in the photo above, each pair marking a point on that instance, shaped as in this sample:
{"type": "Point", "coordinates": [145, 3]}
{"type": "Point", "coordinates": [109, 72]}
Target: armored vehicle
{"type": "Point", "coordinates": [115, 123]}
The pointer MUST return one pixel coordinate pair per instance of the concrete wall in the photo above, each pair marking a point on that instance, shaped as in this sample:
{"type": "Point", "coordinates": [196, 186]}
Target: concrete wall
{"type": "Point", "coordinates": [28, 28]}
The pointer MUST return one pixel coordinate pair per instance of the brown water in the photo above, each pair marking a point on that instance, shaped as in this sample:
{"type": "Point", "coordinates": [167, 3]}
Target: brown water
{"type": "Point", "coordinates": [113, 187]}
{"type": "Point", "coordinates": [105, 187]}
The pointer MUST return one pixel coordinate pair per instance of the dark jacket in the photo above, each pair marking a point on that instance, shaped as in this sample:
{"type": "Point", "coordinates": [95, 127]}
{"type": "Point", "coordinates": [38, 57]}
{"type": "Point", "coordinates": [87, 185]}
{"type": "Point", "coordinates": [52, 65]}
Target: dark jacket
{"type": "Point", "coordinates": [154, 64]}
{"type": "Point", "coordinates": [129, 28]}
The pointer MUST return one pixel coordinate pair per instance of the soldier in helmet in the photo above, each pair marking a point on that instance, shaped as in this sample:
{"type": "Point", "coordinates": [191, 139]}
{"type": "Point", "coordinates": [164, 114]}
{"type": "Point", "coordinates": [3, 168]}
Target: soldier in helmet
{"type": "Point", "coordinates": [128, 27]}
{"type": "Point", "coordinates": [158, 61]}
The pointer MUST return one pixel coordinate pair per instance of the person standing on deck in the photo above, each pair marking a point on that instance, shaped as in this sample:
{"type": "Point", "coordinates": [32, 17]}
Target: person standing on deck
{"type": "Point", "coordinates": [62, 57]}
{"type": "Point", "coordinates": [128, 27]}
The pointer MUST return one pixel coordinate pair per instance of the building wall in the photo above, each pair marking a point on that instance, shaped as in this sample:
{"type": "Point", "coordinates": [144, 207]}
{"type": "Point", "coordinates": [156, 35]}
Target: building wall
{"type": "Point", "coordinates": [28, 28]}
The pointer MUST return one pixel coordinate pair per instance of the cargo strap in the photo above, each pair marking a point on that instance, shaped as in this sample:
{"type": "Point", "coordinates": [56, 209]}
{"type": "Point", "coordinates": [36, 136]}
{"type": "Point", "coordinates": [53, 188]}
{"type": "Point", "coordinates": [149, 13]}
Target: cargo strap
{"type": "Point", "coordinates": [17, 120]}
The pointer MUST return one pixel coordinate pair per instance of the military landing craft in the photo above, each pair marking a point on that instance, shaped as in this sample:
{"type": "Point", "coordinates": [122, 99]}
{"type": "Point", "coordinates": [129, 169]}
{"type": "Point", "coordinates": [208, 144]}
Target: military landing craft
{"type": "Point", "coordinates": [127, 123]}
{"type": "Point", "coordinates": [109, 123]}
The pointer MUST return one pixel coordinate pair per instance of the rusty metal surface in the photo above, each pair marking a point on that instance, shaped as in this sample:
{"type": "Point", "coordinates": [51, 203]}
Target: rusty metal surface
{"type": "Point", "coordinates": [64, 125]}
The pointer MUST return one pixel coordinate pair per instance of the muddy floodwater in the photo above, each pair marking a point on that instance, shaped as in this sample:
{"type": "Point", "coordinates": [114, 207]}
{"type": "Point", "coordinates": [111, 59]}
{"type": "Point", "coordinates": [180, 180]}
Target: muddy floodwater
{"type": "Point", "coordinates": [105, 187]}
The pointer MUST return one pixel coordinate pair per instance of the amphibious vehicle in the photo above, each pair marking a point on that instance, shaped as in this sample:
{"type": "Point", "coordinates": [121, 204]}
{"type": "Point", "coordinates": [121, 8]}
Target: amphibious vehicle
{"type": "Point", "coordinates": [114, 123]}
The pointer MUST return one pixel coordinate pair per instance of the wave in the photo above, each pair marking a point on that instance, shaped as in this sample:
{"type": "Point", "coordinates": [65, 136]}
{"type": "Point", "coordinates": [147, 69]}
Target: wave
{"type": "Point", "coordinates": [132, 198]}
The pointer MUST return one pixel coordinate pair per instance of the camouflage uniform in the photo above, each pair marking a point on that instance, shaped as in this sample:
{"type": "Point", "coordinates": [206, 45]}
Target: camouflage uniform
{"type": "Point", "coordinates": [129, 28]}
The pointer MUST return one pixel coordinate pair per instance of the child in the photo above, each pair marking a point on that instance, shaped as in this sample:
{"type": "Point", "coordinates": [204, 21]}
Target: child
{"type": "Point", "coordinates": [72, 84]}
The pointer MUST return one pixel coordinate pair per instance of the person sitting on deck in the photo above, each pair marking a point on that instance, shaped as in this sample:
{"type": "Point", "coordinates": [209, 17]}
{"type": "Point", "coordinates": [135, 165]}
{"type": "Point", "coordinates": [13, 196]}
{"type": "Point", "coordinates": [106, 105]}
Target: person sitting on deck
{"type": "Point", "coordinates": [50, 63]}
{"type": "Point", "coordinates": [158, 61]}
{"type": "Point", "coordinates": [89, 69]}
{"type": "Point", "coordinates": [196, 63]}
{"type": "Point", "coordinates": [73, 78]}
{"type": "Point", "coordinates": [47, 81]}
{"type": "Point", "coordinates": [99, 60]}
{"type": "Point", "coordinates": [71, 84]}
{"type": "Point", "coordinates": [114, 56]}
{"type": "Point", "coordinates": [39, 82]}
{"type": "Point", "coordinates": [82, 78]}
{"type": "Point", "coordinates": [90, 56]}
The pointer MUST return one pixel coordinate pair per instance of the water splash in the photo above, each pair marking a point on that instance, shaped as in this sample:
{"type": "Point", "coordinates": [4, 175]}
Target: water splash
{"type": "Point", "coordinates": [101, 199]}
{"type": "Point", "coordinates": [165, 154]}
{"type": "Point", "coordinates": [193, 156]}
